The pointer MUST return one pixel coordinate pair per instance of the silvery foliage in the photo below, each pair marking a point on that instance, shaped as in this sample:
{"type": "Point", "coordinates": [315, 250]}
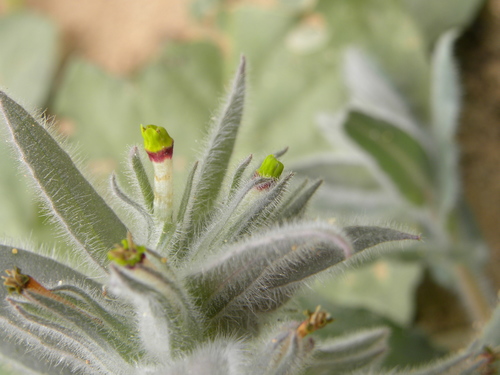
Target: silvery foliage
{"type": "Point", "coordinates": [395, 162]}
{"type": "Point", "coordinates": [208, 296]}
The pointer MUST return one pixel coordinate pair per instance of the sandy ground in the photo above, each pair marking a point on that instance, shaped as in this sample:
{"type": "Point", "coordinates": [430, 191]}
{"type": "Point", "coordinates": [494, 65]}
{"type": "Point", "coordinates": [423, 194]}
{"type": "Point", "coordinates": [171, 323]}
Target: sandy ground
{"type": "Point", "coordinates": [119, 35]}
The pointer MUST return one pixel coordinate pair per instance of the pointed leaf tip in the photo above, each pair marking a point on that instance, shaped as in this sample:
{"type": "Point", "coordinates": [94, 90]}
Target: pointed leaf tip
{"type": "Point", "coordinates": [243, 64]}
{"type": "Point", "coordinates": [364, 237]}
{"type": "Point", "coordinates": [219, 148]}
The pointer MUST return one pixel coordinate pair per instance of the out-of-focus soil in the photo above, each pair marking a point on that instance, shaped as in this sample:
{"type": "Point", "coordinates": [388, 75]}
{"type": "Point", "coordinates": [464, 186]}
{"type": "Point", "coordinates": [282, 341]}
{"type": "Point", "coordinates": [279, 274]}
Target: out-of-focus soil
{"type": "Point", "coordinates": [479, 136]}
{"type": "Point", "coordinates": [119, 35]}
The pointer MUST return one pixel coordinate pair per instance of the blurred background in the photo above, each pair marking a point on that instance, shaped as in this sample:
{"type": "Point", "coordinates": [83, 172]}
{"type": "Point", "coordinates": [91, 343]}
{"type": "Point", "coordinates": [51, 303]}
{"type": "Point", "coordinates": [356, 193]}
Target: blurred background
{"type": "Point", "coordinates": [393, 103]}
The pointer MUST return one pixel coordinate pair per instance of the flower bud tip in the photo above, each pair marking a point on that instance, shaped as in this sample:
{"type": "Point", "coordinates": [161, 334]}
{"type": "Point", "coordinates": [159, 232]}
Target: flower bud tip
{"type": "Point", "coordinates": [270, 167]}
{"type": "Point", "coordinates": [157, 142]}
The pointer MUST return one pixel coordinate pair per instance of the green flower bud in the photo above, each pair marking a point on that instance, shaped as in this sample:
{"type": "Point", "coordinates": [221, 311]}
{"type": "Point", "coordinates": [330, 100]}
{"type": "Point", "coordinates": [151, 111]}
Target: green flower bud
{"type": "Point", "coordinates": [127, 254]}
{"type": "Point", "coordinates": [270, 168]}
{"type": "Point", "coordinates": [156, 139]}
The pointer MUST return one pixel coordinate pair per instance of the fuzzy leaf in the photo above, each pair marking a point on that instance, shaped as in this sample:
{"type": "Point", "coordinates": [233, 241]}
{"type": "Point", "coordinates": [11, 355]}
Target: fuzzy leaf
{"type": "Point", "coordinates": [141, 178]}
{"type": "Point", "coordinates": [117, 190]}
{"type": "Point", "coordinates": [351, 353]}
{"type": "Point", "coordinates": [187, 193]}
{"type": "Point", "coordinates": [80, 210]}
{"type": "Point", "coordinates": [17, 358]}
{"type": "Point", "coordinates": [259, 211]}
{"type": "Point", "coordinates": [297, 206]}
{"type": "Point", "coordinates": [181, 236]}
{"type": "Point", "coordinates": [364, 237]}
{"type": "Point", "coordinates": [216, 358]}
{"type": "Point", "coordinates": [218, 228]}
{"type": "Point", "coordinates": [278, 154]}
{"type": "Point", "coordinates": [456, 364]}
{"type": "Point", "coordinates": [52, 273]}
{"type": "Point", "coordinates": [64, 348]}
{"type": "Point", "coordinates": [80, 332]}
{"type": "Point", "coordinates": [397, 153]}
{"type": "Point", "coordinates": [168, 322]}
{"type": "Point", "coordinates": [42, 268]}
{"type": "Point", "coordinates": [284, 354]}
{"type": "Point", "coordinates": [261, 273]}
{"type": "Point", "coordinates": [10, 367]}
{"type": "Point", "coordinates": [238, 175]}
{"type": "Point", "coordinates": [293, 194]}
{"type": "Point", "coordinates": [116, 321]}
{"type": "Point", "coordinates": [220, 147]}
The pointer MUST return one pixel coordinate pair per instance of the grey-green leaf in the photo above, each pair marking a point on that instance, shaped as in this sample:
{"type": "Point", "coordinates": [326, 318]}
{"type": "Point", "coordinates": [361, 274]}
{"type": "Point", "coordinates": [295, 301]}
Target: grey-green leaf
{"type": "Point", "coordinates": [455, 364]}
{"type": "Point", "coordinates": [142, 178]}
{"type": "Point", "coordinates": [168, 321]}
{"type": "Point", "coordinates": [284, 354]}
{"type": "Point", "coordinates": [260, 210]}
{"type": "Point", "coordinates": [262, 273]}
{"type": "Point", "coordinates": [238, 175]}
{"type": "Point", "coordinates": [219, 227]}
{"type": "Point", "coordinates": [364, 237]}
{"type": "Point", "coordinates": [445, 90]}
{"type": "Point", "coordinates": [187, 193]}
{"type": "Point", "coordinates": [41, 268]}
{"type": "Point", "coordinates": [219, 357]}
{"type": "Point", "coordinates": [297, 206]}
{"type": "Point", "coordinates": [83, 213]}
{"type": "Point", "coordinates": [220, 148]}
{"type": "Point", "coordinates": [117, 190]}
{"type": "Point", "coordinates": [351, 353]}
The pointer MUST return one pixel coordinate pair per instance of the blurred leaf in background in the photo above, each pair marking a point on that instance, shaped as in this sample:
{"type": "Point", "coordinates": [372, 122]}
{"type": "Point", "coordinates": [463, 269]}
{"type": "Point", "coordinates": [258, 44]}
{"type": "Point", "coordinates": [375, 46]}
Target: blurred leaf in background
{"type": "Point", "coordinates": [29, 58]}
{"type": "Point", "coordinates": [385, 287]}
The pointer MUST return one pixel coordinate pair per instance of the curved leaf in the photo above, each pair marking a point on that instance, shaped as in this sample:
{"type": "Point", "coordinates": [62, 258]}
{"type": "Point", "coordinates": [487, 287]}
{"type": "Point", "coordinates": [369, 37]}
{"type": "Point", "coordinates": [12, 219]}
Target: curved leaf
{"type": "Point", "coordinates": [397, 153]}
{"type": "Point", "coordinates": [220, 148]}
{"type": "Point", "coordinates": [364, 237]}
{"type": "Point", "coordinates": [83, 213]}
{"type": "Point", "coordinates": [51, 273]}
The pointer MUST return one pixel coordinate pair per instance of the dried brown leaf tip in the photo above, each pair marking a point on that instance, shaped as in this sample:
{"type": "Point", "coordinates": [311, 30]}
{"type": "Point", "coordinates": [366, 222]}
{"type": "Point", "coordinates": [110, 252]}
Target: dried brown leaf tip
{"type": "Point", "coordinates": [15, 281]}
{"type": "Point", "coordinates": [315, 320]}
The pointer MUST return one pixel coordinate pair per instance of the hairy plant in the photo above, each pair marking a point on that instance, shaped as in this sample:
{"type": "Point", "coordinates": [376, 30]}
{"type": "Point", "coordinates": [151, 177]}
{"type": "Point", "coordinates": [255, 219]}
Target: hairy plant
{"type": "Point", "coordinates": [404, 162]}
{"type": "Point", "coordinates": [195, 285]}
